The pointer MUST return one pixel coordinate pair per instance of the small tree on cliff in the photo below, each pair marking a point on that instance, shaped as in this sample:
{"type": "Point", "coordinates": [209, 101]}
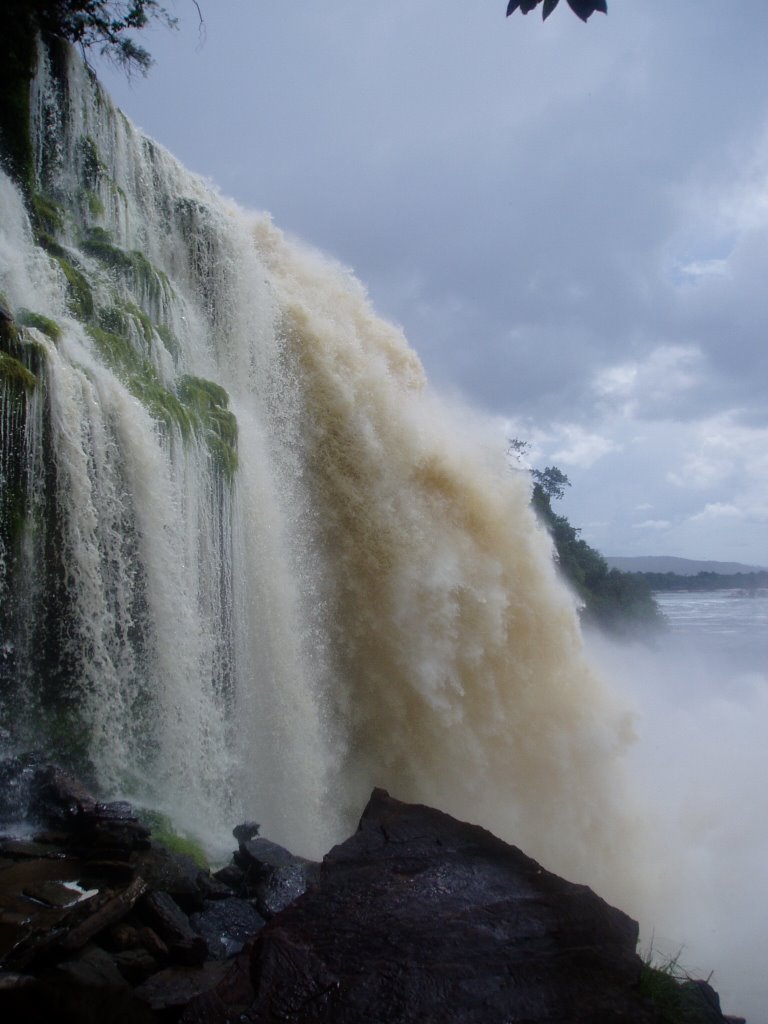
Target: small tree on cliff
{"type": "Point", "coordinates": [101, 23]}
{"type": "Point", "coordinates": [618, 602]}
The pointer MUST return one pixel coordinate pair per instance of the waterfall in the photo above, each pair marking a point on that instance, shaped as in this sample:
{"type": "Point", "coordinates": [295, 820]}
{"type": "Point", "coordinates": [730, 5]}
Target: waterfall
{"type": "Point", "coordinates": [251, 564]}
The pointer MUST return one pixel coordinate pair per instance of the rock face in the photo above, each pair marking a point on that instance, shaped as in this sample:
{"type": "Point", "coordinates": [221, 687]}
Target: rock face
{"type": "Point", "coordinates": [419, 917]}
{"type": "Point", "coordinates": [415, 918]}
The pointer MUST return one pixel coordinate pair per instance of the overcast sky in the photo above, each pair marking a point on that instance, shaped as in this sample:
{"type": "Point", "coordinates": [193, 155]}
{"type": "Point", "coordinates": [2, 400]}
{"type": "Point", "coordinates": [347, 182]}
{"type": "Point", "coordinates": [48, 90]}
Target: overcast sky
{"type": "Point", "coordinates": [569, 221]}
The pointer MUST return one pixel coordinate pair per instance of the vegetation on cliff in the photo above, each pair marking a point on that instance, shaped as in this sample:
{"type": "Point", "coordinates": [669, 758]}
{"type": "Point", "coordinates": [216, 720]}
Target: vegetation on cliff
{"type": "Point", "coordinates": [105, 24]}
{"type": "Point", "coordinates": [615, 601]}
{"type": "Point", "coordinates": [749, 581]}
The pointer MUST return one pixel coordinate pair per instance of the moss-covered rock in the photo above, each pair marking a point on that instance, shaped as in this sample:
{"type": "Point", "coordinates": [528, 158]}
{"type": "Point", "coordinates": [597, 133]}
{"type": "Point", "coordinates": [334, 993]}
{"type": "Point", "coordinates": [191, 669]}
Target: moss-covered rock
{"type": "Point", "coordinates": [15, 375]}
{"type": "Point", "coordinates": [141, 273]}
{"type": "Point", "coordinates": [141, 379]}
{"type": "Point", "coordinates": [210, 402]}
{"type": "Point", "coordinates": [47, 214]}
{"type": "Point", "coordinates": [49, 327]}
{"type": "Point", "coordinates": [79, 291]}
{"type": "Point", "coordinates": [92, 166]}
{"type": "Point", "coordinates": [165, 832]}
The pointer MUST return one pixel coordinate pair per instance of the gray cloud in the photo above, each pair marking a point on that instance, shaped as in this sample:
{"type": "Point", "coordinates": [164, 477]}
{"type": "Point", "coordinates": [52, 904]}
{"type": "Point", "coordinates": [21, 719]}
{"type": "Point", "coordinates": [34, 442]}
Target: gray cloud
{"type": "Point", "coordinates": [569, 221]}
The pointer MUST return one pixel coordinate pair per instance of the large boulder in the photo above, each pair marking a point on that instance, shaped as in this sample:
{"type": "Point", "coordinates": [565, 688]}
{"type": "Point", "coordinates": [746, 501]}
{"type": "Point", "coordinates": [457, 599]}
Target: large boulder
{"type": "Point", "coordinates": [419, 917]}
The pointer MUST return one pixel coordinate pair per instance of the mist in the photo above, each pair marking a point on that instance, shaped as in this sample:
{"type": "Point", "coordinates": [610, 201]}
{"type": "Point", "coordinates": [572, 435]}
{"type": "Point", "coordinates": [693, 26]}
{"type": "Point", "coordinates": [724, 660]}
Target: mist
{"type": "Point", "coordinates": [699, 764]}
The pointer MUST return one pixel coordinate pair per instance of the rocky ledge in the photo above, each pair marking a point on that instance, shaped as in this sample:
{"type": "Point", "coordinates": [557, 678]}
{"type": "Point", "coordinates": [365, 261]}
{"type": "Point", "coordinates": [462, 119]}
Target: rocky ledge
{"type": "Point", "coordinates": [417, 917]}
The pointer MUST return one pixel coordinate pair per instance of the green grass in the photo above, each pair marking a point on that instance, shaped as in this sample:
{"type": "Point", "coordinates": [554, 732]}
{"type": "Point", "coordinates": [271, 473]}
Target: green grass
{"type": "Point", "coordinates": [670, 988]}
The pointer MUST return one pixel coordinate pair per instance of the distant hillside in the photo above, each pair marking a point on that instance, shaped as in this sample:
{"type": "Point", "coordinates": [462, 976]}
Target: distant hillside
{"type": "Point", "coordinates": [680, 566]}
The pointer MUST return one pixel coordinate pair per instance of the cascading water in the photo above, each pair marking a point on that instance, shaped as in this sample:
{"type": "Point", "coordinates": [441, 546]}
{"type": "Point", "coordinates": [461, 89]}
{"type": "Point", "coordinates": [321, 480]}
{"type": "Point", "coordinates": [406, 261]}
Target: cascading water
{"type": "Point", "coordinates": [251, 566]}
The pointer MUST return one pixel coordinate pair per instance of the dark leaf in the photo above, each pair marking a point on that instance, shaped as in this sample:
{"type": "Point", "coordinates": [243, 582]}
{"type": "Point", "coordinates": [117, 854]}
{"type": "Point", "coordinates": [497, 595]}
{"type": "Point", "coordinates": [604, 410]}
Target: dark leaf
{"type": "Point", "coordinates": [549, 6]}
{"type": "Point", "coordinates": [527, 5]}
{"type": "Point", "coordinates": [584, 8]}
{"type": "Point", "coordinates": [512, 6]}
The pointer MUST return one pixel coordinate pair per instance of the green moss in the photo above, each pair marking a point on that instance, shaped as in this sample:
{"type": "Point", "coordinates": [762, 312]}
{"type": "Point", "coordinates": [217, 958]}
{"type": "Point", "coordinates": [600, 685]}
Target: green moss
{"type": "Point", "coordinates": [209, 402]}
{"type": "Point", "coordinates": [129, 262]}
{"type": "Point", "coordinates": [169, 339]}
{"type": "Point", "coordinates": [47, 214]}
{"type": "Point", "coordinates": [80, 296]}
{"type": "Point", "coordinates": [141, 379]}
{"type": "Point", "coordinates": [21, 349]}
{"type": "Point", "coordinates": [154, 281]}
{"type": "Point", "coordinates": [92, 166]}
{"type": "Point", "coordinates": [116, 351]}
{"type": "Point", "coordinates": [98, 243]}
{"type": "Point", "coordinates": [49, 327]}
{"type": "Point", "coordinates": [14, 374]}
{"type": "Point", "coordinates": [121, 317]}
{"type": "Point", "coordinates": [202, 394]}
{"type": "Point", "coordinates": [10, 339]}
{"type": "Point", "coordinates": [92, 202]}
{"type": "Point", "coordinates": [161, 403]}
{"type": "Point", "coordinates": [166, 833]}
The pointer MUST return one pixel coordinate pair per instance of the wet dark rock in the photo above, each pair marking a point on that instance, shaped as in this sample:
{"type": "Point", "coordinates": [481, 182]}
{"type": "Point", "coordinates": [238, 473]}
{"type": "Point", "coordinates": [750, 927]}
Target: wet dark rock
{"type": "Point", "coordinates": [10, 981]}
{"type": "Point", "coordinates": [273, 876]}
{"type": "Point", "coordinates": [228, 1001]}
{"type": "Point", "coordinates": [15, 849]}
{"type": "Point", "coordinates": [212, 888]}
{"type": "Point", "coordinates": [176, 986]}
{"type": "Point", "coordinates": [416, 917]}
{"type": "Point", "coordinates": [117, 810]}
{"type": "Point", "coordinates": [174, 873]}
{"type": "Point", "coordinates": [52, 838]}
{"type": "Point", "coordinates": [16, 779]}
{"type": "Point", "coordinates": [232, 876]}
{"type": "Point", "coordinates": [135, 965]}
{"type": "Point", "coordinates": [699, 1003]}
{"type": "Point", "coordinates": [246, 831]}
{"type": "Point", "coordinates": [102, 916]}
{"type": "Point", "coordinates": [436, 920]}
{"type": "Point", "coordinates": [153, 944]}
{"type": "Point", "coordinates": [57, 797]}
{"type": "Point", "coordinates": [53, 894]}
{"type": "Point", "coordinates": [261, 856]}
{"type": "Point", "coordinates": [86, 989]}
{"type": "Point", "coordinates": [93, 968]}
{"type": "Point", "coordinates": [226, 925]}
{"type": "Point", "coordinates": [185, 945]}
{"type": "Point", "coordinates": [113, 871]}
{"type": "Point", "coordinates": [121, 936]}
{"type": "Point", "coordinates": [282, 886]}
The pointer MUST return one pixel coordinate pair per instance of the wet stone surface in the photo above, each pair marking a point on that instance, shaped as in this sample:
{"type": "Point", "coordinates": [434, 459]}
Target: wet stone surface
{"type": "Point", "coordinates": [415, 918]}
